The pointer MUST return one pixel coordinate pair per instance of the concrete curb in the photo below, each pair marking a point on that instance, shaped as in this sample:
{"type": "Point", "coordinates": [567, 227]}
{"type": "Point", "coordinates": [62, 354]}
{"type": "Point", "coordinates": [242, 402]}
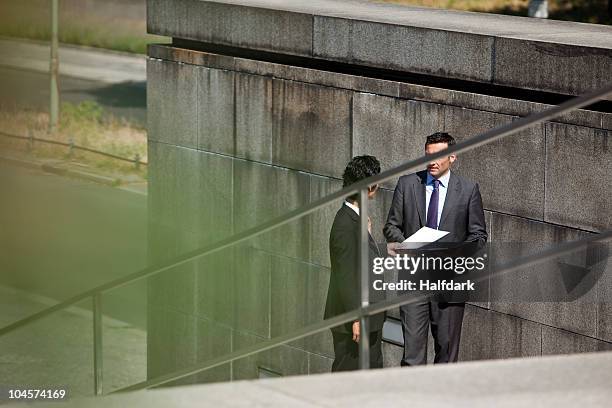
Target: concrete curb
{"type": "Point", "coordinates": [60, 170]}
{"type": "Point", "coordinates": [96, 178]}
{"type": "Point", "coordinates": [134, 55]}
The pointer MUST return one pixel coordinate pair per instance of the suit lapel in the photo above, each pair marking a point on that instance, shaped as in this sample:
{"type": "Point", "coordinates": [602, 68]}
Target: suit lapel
{"type": "Point", "coordinates": [352, 214]}
{"type": "Point", "coordinates": [418, 190]}
{"type": "Point", "coordinates": [452, 197]}
{"type": "Point", "coordinates": [373, 245]}
{"type": "Point", "coordinates": [356, 218]}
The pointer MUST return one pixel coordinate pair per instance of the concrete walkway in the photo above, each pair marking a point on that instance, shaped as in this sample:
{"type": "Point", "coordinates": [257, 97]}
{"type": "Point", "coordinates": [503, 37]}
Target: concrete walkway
{"type": "Point", "coordinates": [79, 62]}
{"type": "Point", "coordinates": [57, 351]}
{"type": "Point", "coordinates": [561, 381]}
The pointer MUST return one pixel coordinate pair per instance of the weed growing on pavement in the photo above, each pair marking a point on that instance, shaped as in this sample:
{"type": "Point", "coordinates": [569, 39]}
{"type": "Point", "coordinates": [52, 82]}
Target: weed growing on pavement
{"type": "Point", "coordinates": [85, 124]}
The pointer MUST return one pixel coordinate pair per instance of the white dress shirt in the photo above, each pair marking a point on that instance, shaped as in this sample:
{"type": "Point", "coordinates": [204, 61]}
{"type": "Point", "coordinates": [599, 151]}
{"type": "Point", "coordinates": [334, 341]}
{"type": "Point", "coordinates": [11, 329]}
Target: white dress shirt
{"type": "Point", "coordinates": [352, 207]}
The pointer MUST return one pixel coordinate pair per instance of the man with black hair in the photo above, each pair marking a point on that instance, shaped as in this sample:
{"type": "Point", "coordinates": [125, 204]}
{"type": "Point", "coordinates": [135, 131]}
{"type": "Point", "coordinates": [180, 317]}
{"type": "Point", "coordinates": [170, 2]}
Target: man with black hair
{"type": "Point", "coordinates": [343, 294]}
{"type": "Point", "coordinates": [439, 199]}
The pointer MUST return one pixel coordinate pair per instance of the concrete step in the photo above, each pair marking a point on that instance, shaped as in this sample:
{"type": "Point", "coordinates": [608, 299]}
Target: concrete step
{"type": "Point", "coordinates": [560, 381]}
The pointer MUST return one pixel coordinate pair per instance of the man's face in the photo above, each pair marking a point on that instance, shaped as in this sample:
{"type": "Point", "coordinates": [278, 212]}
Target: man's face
{"type": "Point", "coordinates": [439, 167]}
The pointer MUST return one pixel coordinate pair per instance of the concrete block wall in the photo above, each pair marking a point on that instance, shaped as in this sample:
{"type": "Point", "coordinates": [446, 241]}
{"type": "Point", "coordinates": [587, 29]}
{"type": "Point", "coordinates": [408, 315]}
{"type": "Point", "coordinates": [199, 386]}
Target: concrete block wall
{"type": "Point", "coordinates": [234, 142]}
{"type": "Point", "coordinates": [277, 283]}
{"type": "Point", "coordinates": [487, 48]}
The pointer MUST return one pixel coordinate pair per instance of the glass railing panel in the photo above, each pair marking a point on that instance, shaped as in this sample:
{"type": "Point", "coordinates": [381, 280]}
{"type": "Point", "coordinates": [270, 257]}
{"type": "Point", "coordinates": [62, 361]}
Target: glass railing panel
{"type": "Point", "coordinates": [251, 292]}
{"type": "Point", "coordinates": [61, 236]}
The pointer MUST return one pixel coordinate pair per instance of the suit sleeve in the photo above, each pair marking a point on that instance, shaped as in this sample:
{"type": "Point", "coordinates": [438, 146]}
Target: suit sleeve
{"type": "Point", "coordinates": [393, 229]}
{"type": "Point", "coordinates": [477, 229]}
{"type": "Point", "coordinates": [346, 252]}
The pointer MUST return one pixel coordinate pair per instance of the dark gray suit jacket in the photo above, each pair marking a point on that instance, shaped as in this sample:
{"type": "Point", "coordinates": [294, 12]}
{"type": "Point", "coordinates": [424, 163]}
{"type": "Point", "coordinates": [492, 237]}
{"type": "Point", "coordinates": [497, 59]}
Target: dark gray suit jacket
{"type": "Point", "coordinates": [344, 293]}
{"type": "Point", "coordinates": [462, 214]}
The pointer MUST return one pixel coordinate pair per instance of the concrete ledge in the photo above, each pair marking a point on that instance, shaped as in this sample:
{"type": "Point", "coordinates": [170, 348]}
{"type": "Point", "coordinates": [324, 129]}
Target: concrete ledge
{"type": "Point", "coordinates": [559, 381]}
{"type": "Point", "coordinates": [232, 24]}
{"type": "Point", "coordinates": [554, 56]}
{"type": "Point", "coordinates": [404, 48]}
{"type": "Point", "coordinates": [396, 89]}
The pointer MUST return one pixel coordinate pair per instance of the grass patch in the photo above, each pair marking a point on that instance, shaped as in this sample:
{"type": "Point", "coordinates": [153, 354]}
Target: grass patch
{"type": "Point", "coordinates": [108, 25]}
{"type": "Point", "coordinates": [513, 6]}
{"type": "Point", "coordinates": [87, 35]}
{"type": "Point", "coordinates": [85, 124]}
{"type": "Point", "coordinates": [585, 11]}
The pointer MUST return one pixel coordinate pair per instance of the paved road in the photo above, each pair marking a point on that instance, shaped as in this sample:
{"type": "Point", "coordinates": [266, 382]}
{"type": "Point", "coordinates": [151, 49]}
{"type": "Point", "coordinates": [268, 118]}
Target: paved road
{"type": "Point", "coordinates": [116, 81]}
{"type": "Point", "coordinates": [30, 89]}
{"type": "Point", "coordinates": [57, 351]}
{"type": "Point", "coordinates": [61, 236]}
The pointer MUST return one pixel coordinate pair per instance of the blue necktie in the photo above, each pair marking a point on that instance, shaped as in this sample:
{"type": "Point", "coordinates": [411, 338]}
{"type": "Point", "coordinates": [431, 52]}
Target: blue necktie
{"type": "Point", "coordinates": [432, 211]}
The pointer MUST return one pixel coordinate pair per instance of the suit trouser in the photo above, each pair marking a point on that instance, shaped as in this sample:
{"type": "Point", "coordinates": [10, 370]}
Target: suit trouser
{"type": "Point", "coordinates": [446, 320]}
{"type": "Point", "coordinates": [347, 351]}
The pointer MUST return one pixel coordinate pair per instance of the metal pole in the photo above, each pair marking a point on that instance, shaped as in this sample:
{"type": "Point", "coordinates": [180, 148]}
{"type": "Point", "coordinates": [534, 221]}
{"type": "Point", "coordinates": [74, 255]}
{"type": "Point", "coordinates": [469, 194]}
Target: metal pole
{"type": "Point", "coordinates": [97, 342]}
{"type": "Point", "coordinates": [30, 140]}
{"type": "Point", "coordinates": [54, 69]}
{"type": "Point", "coordinates": [538, 8]}
{"type": "Point", "coordinates": [364, 271]}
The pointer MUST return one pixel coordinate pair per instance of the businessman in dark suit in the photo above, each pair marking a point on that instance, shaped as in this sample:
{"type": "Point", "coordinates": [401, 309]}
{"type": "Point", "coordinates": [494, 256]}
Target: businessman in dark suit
{"type": "Point", "coordinates": [343, 294]}
{"type": "Point", "coordinates": [439, 199]}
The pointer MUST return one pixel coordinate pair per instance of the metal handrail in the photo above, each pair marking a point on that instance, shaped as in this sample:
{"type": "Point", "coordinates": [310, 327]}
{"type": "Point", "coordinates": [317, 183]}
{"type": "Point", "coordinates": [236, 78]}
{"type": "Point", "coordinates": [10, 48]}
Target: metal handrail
{"type": "Point", "coordinates": [486, 137]}
{"type": "Point", "coordinates": [360, 187]}
{"type": "Point", "coordinates": [136, 160]}
{"type": "Point", "coordinates": [372, 309]}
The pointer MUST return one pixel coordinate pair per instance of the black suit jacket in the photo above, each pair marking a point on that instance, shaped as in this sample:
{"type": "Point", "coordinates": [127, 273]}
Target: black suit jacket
{"type": "Point", "coordinates": [462, 214]}
{"type": "Point", "coordinates": [344, 292]}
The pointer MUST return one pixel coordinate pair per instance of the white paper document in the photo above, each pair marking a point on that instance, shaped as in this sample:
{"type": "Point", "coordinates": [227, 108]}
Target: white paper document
{"type": "Point", "coordinates": [422, 237]}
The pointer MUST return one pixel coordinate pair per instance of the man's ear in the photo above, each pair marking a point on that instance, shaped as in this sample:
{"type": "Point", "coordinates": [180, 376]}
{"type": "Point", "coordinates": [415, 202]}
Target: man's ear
{"type": "Point", "coordinates": [452, 158]}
